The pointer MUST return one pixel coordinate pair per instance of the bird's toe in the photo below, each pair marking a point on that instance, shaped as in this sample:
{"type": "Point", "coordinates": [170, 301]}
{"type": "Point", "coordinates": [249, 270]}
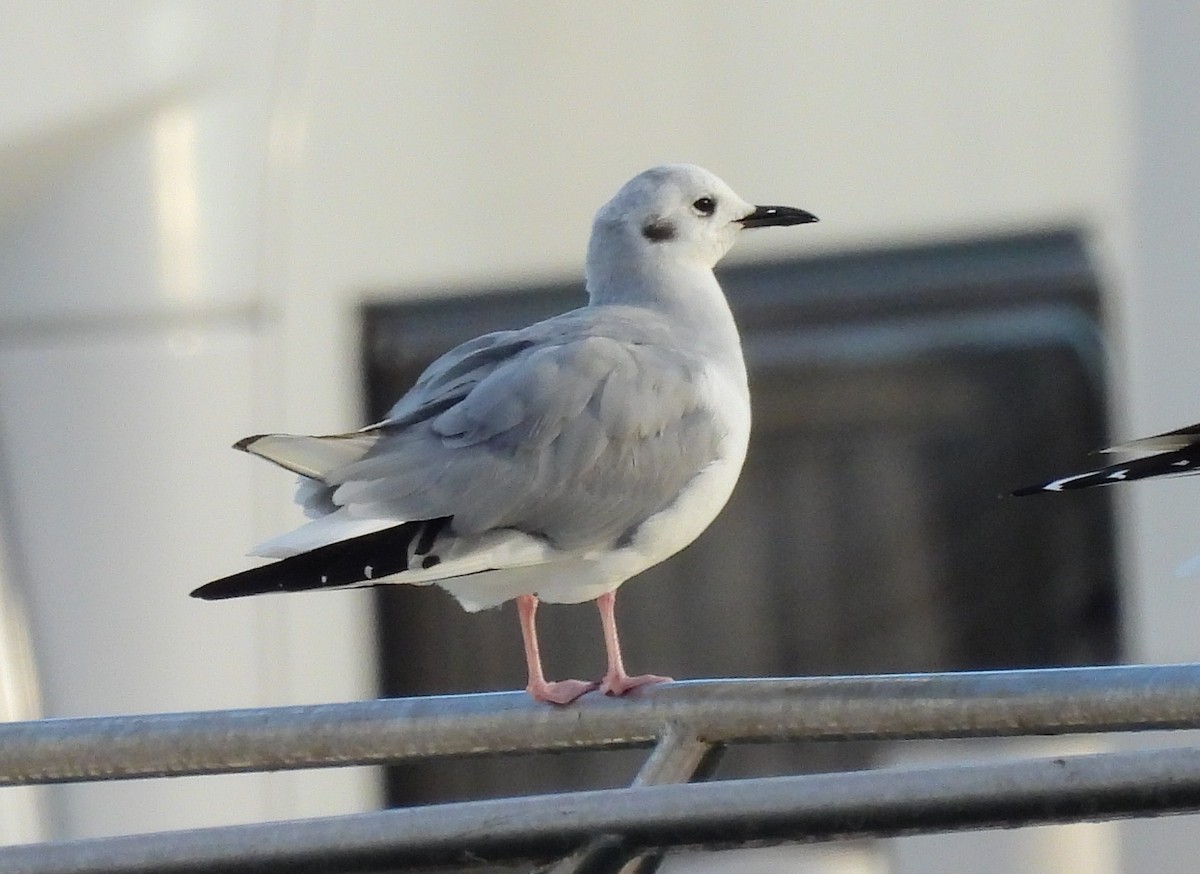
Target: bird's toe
{"type": "Point", "coordinates": [560, 691]}
{"type": "Point", "coordinates": [619, 684]}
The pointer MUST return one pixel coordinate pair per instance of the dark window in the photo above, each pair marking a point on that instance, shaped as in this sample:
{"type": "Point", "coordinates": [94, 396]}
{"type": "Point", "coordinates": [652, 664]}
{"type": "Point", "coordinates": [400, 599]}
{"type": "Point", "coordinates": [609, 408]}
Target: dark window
{"type": "Point", "coordinates": [898, 395]}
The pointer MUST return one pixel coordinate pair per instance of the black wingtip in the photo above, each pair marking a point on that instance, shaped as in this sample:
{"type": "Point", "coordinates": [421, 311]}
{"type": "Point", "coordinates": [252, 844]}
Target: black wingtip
{"type": "Point", "coordinates": [1028, 490]}
{"type": "Point", "coordinates": [1089, 479]}
{"type": "Point", "coordinates": [355, 562]}
{"type": "Point", "coordinates": [1178, 462]}
{"type": "Point", "coordinates": [256, 581]}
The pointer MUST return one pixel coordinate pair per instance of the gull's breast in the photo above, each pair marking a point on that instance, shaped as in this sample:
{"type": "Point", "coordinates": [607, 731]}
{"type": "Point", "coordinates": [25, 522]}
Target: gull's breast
{"type": "Point", "coordinates": [677, 525]}
{"type": "Point", "coordinates": [674, 527]}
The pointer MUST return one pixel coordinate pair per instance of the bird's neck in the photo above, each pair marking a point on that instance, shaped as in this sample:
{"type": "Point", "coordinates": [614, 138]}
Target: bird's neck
{"type": "Point", "coordinates": [687, 294]}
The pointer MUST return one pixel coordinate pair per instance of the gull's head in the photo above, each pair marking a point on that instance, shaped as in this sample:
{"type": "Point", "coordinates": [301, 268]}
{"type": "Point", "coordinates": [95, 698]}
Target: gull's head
{"type": "Point", "coordinates": [679, 212]}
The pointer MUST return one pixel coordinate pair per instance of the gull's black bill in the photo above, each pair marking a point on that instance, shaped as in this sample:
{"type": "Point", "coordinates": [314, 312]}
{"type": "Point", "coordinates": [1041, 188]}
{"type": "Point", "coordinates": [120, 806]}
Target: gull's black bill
{"type": "Point", "coordinates": [776, 216]}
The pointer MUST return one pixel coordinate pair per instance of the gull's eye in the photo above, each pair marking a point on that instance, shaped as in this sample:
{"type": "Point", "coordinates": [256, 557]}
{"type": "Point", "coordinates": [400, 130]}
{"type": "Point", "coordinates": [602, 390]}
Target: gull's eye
{"type": "Point", "coordinates": [705, 206]}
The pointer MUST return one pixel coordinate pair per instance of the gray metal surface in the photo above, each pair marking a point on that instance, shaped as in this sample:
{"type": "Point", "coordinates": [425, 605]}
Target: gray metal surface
{"type": "Point", "coordinates": [678, 757]}
{"type": "Point", "coordinates": [628, 829]}
{"type": "Point", "coordinates": [710, 815]}
{"type": "Point", "coordinates": [1001, 703]}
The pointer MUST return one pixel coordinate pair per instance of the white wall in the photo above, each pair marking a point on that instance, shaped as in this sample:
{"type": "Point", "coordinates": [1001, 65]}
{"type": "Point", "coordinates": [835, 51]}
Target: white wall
{"type": "Point", "coordinates": [198, 194]}
{"type": "Point", "coordinates": [135, 346]}
{"type": "Point", "coordinates": [1161, 318]}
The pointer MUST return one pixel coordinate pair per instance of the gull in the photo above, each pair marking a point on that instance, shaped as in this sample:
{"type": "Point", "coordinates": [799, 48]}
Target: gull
{"type": "Point", "coordinates": [1174, 453]}
{"type": "Point", "coordinates": [554, 462]}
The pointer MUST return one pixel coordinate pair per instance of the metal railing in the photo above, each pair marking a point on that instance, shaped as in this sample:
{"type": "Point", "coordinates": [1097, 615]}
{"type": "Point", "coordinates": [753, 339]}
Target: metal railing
{"type": "Point", "coordinates": [687, 723]}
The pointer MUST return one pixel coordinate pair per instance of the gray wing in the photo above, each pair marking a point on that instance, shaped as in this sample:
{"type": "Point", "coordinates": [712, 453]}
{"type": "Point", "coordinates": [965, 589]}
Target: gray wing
{"type": "Point", "coordinates": [453, 376]}
{"type": "Point", "coordinates": [577, 432]}
{"type": "Point", "coordinates": [443, 384]}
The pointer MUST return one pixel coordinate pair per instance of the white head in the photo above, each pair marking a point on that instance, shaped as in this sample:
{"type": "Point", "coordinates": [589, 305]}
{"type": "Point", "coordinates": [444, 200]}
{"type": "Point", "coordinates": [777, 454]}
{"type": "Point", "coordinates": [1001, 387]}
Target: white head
{"type": "Point", "coordinates": [679, 213]}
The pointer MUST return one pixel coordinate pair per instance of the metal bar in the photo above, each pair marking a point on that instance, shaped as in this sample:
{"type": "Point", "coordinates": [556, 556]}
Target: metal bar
{"type": "Point", "coordinates": [678, 757]}
{"type": "Point", "coordinates": [697, 815]}
{"type": "Point", "coordinates": [999, 703]}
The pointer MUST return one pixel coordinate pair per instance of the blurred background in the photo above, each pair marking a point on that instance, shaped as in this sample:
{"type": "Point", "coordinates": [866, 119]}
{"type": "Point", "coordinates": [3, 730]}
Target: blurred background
{"type": "Point", "coordinates": [221, 218]}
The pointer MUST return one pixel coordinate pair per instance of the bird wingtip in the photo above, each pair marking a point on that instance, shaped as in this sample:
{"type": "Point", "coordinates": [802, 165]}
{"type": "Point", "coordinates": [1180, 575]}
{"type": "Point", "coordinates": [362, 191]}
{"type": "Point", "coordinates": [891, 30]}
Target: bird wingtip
{"type": "Point", "coordinates": [245, 443]}
{"type": "Point", "coordinates": [213, 591]}
{"type": "Point", "coordinates": [204, 593]}
{"type": "Point", "coordinates": [1027, 490]}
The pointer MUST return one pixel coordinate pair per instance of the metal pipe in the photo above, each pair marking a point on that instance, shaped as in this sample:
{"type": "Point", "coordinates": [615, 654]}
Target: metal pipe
{"type": "Point", "coordinates": [678, 757]}
{"type": "Point", "coordinates": [998, 703]}
{"type": "Point", "coordinates": [698, 815]}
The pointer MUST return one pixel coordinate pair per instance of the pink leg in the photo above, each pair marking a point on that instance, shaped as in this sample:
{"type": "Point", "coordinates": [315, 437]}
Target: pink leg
{"type": "Point", "coordinates": [561, 692]}
{"type": "Point", "coordinates": [616, 681]}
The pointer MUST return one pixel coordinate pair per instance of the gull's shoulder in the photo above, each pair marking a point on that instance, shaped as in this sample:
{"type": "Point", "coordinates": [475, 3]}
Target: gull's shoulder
{"type": "Point", "coordinates": [595, 333]}
{"type": "Point", "coordinates": [620, 322]}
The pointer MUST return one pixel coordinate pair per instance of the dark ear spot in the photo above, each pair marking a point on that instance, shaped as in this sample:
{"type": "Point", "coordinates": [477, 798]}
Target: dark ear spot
{"type": "Point", "coordinates": [658, 230]}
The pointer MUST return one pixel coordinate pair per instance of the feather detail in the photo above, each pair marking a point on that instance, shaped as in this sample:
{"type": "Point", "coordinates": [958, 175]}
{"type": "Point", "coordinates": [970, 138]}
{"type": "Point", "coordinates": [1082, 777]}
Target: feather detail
{"type": "Point", "coordinates": [313, 457]}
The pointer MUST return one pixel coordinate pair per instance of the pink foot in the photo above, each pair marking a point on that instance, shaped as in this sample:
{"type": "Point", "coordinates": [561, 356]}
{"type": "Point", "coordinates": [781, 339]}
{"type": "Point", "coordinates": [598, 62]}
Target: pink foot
{"type": "Point", "coordinates": [619, 684]}
{"type": "Point", "coordinates": [559, 692]}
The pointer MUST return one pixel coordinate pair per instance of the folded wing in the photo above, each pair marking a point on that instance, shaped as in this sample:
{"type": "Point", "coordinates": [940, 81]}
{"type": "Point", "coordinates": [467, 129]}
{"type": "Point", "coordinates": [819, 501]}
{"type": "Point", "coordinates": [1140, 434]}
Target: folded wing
{"type": "Point", "coordinates": [522, 448]}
